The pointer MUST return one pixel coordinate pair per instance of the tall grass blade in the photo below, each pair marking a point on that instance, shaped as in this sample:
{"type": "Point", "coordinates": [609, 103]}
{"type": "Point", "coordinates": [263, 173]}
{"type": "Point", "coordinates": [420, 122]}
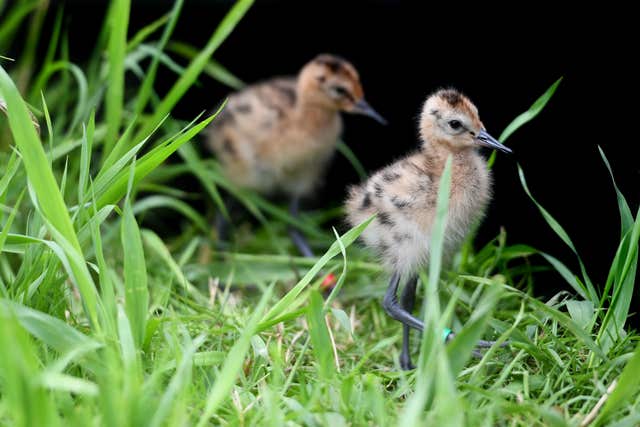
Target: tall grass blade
{"type": "Point", "coordinates": [320, 336]}
{"type": "Point", "coordinates": [531, 113]}
{"type": "Point", "coordinates": [626, 217]}
{"type": "Point", "coordinates": [28, 51]}
{"type": "Point", "coordinates": [135, 270]}
{"type": "Point", "coordinates": [587, 289]}
{"type": "Point", "coordinates": [85, 158]}
{"type": "Point", "coordinates": [623, 274]}
{"type": "Point", "coordinates": [49, 198]}
{"type": "Point", "coordinates": [4, 233]}
{"type": "Point", "coordinates": [10, 170]}
{"type": "Point", "coordinates": [150, 76]}
{"type": "Point", "coordinates": [213, 68]}
{"type": "Point", "coordinates": [459, 350]}
{"type": "Point", "coordinates": [158, 201]}
{"type": "Point", "coordinates": [348, 154]}
{"type": "Point", "coordinates": [525, 117]}
{"type": "Point", "coordinates": [117, 49]}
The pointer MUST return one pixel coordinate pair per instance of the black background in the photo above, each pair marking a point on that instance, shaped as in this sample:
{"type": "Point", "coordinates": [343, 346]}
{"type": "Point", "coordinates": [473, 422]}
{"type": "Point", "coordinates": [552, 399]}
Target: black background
{"type": "Point", "coordinates": [503, 59]}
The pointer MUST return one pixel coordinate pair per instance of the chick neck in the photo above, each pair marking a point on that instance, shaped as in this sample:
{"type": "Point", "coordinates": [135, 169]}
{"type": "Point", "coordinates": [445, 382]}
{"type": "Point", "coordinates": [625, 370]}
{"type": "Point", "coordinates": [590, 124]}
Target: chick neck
{"type": "Point", "coordinates": [436, 152]}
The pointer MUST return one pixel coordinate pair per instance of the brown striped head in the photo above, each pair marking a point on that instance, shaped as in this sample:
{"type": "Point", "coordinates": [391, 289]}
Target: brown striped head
{"type": "Point", "coordinates": [449, 118]}
{"type": "Point", "coordinates": [333, 83]}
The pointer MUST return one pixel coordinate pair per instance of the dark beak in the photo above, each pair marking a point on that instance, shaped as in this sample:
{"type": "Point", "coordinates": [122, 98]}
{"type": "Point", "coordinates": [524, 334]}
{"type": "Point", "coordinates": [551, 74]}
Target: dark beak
{"type": "Point", "coordinates": [487, 140]}
{"type": "Point", "coordinates": [363, 107]}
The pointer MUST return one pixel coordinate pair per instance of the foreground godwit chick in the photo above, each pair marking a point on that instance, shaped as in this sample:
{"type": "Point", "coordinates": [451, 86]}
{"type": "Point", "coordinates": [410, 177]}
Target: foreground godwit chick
{"type": "Point", "coordinates": [404, 194]}
{"type": "Point", "coordinates": [278, 136]}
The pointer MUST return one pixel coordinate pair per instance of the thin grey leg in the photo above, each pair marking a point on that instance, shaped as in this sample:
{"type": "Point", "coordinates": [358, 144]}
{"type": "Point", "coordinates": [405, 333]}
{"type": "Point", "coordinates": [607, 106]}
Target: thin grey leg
{"type": "Point", "coordinates": [407, 302]}
{"type": "Point", "coordinates": [295, 234]}
{"type": "Point", "coordinates": [393, 308]}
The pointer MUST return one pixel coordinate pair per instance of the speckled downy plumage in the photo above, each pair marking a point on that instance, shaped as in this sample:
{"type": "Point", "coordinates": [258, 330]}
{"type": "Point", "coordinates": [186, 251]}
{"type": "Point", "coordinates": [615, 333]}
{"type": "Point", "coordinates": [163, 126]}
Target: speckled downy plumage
{"type": "Point", "coordinates": [279, 136]}
{"type": "Point", "coordinates": [403, 195]}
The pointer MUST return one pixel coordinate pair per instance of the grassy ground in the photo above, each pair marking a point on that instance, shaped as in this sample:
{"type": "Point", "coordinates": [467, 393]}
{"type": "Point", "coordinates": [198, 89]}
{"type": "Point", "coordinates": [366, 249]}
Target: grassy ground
{"type": "Point", "coordinates": [104, 322]}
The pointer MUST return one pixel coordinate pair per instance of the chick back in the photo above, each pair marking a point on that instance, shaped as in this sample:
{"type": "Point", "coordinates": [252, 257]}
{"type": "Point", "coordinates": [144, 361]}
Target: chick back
{"type": "Point", "coordinates": [262, 145]}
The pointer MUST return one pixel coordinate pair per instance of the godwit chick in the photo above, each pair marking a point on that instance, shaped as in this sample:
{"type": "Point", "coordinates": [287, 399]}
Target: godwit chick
{"type": "Point", "coordinates": [404, 194]}
{"type": "Point", "coordinates": [279, 135]}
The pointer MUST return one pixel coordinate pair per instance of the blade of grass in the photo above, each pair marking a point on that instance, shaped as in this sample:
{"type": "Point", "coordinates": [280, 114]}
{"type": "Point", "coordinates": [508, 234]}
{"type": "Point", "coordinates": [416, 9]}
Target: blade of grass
{"type": "Point", "coordinates": [135, 270]}
{"type": "Point", "coordinates": [626, 217]}
{"type": "Point", "coordinates": [117, 49]}
{"type": "Point", "coordinates": [119, 153]}
{"type": "Point", "coordinates": [7, 226]}
{"type": "Point", "coordinates": [525, 117]}
{"type": "Point", "coordinates": [193, 161]}
{"type": "Point", "coordinates": [143, 33]}
{"type": "Point", "coordinates": [107, 292]}
{"type": "Point", "coordinates": [344, 149]}
{"type": "Point", "coordinates": [49, 198]}
{"type": "Point", "coordinates": [213, 68]}
{"type": "Point", "coordinates": [9, 171]}
{"type": "Point", "coordinates": [320, 341]}
{"type": "Point", "coordinates": [531, 113]}
{"type": "Point", "coordinates": [460, 349]}
{"type": "Point", "coordinates": [81, 82]}
{"type": "Point", "coordinates": [156, 245]}
{"type": "Point", "coordinates": [85, 158]}
{"type": "Point", "coordinates": [28, 51]}
{"type": "Point", "coordinates": [623, 285]}
{"type": "Point", "coordinates": [158, 201]}
{"type": "Point", "coordinates": [587, 291]}
{"type": "Point", "coordinates": [147, 85]}
{"type": "Point", "coordinates": [54, 37]}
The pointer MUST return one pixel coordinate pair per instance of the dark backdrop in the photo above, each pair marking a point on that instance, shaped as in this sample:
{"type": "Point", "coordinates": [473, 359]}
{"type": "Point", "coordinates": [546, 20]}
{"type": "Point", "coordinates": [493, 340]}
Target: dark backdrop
{"type": "Point", "coordinates": [503, 59]}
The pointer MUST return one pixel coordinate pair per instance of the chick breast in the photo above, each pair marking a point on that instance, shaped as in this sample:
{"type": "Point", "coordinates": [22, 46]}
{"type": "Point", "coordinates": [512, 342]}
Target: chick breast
{"type": "Point", "coordinates": [404, 197]}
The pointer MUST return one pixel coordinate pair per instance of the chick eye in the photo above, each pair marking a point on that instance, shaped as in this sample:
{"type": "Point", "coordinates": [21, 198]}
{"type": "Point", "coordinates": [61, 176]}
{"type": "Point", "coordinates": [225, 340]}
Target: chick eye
{"type": "Point", "coordinates": [340, 90]}
{"type": "Point", "coordinates": [455, 124]}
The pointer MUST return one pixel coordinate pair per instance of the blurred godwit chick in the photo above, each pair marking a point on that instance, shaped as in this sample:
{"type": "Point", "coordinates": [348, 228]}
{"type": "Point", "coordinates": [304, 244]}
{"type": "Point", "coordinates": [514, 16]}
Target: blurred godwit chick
{"type": "Point", "coordinates": [279, 135]}
{"type": "Point", "coordinates": [404, 194]}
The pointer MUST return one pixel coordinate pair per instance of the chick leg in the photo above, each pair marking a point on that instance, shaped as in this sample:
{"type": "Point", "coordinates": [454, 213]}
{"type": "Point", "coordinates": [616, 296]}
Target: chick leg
{"type": "Point", "coordinates": [400, 313]}
{"type": "Point", "coordinates": [221, 223]}
{"type": "Point", "coordinates": [407, 302]}
{"type": "Point", "coordinates": [395, 310]}
{"type": "Point", "coordinates": [222, 227]}
{"type": "Point", "coordinates": [295, 235]}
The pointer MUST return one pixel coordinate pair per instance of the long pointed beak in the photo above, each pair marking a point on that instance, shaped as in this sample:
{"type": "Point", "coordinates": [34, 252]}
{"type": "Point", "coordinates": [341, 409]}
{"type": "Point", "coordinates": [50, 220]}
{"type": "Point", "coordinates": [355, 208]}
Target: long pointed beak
{"type": "Point", "coordinates": [363, 107]}
{"type": "Point", "coordinates": [487, 140]}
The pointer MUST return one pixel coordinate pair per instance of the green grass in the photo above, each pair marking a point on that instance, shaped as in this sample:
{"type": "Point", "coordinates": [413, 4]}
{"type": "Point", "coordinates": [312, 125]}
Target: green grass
{"type": "Point", "coordinates": [105, 322]}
